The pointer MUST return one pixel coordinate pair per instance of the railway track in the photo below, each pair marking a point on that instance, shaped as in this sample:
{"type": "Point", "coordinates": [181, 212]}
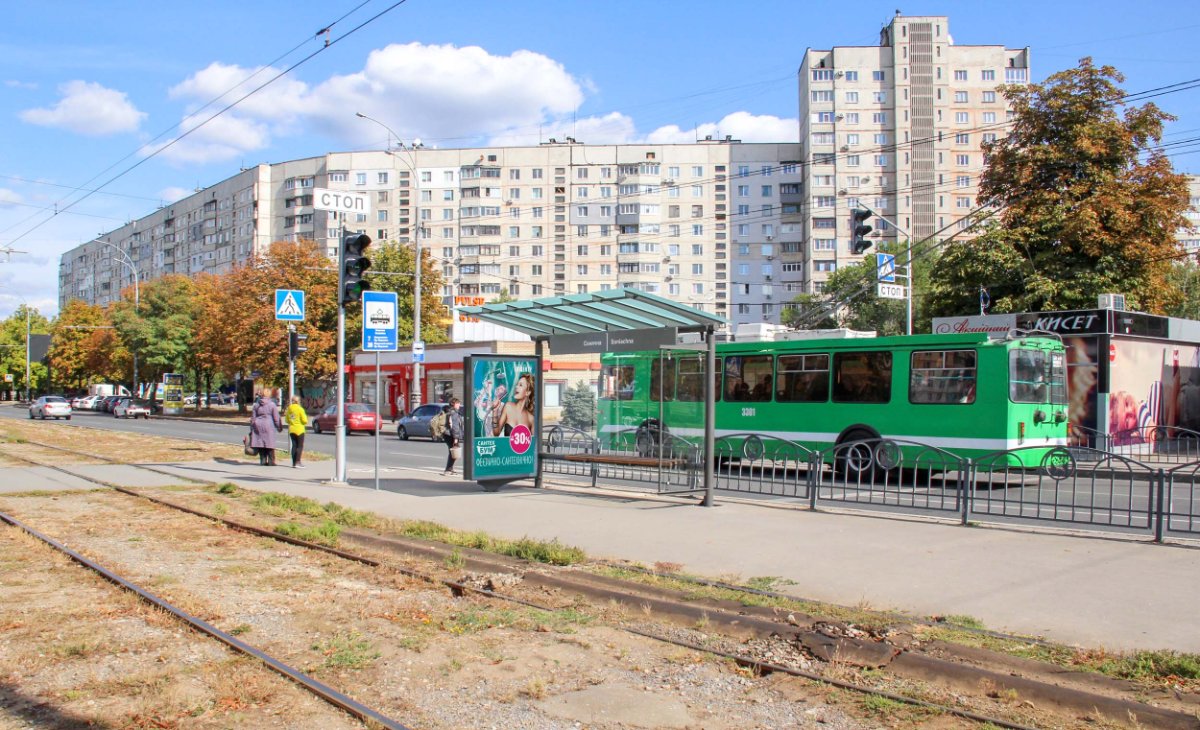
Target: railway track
{"type": "Point", "coordinates": [834, 642]}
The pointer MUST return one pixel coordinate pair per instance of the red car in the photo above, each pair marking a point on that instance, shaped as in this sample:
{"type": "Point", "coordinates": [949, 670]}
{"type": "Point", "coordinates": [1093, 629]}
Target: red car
{"type": "Point", "coordinates": [359, 417]}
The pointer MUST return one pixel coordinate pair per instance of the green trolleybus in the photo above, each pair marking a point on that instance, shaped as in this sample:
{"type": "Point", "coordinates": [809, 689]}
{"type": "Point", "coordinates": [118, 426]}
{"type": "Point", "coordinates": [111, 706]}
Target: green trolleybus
{"type": "Point", "coordinates": [963, 393]}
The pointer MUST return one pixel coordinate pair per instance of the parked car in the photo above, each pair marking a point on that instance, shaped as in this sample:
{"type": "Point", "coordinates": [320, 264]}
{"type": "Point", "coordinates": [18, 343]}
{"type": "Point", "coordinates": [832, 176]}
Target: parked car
{"type": "Point", "coordinates": [110, 402]}
{"type": "Point", "coordinates": [417, 422]}
{"type": "Point", "coordinates": [131, 408]}
{"type": "Point", "coordinates": [50, 406]}
{"type": "Point", "coordinates": [359, 417]}
{"type": "Point", "coordinates": [219, 399]}
{"type": "Point", "coordinates": [84, 402]}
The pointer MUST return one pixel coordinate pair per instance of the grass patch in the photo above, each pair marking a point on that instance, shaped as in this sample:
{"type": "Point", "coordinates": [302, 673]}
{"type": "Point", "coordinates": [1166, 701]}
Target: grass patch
{"type": "Point", "coordinates": [219, 509]}
{"type": "Point", "coordinates": [346, 651]}
{"type": "Point", "coordinates": [967, 622]}
{"type": "Point", "coordinates": [455, 560]}
{"type": "Point", "coordinates": [1157, 668]}
{"type": "Point", "coordinates": [696, 591]}
{"type": "Point", "coordinates": [227, 488]}
{"type": "Point", "coordinates": [474, 620]}
{"type": "Point", "coordinates": [239, 630]}
{"type": "Point", "coordinates": [551, 552]}
{"type": "Point", "coordinates": [768, 582]}
{"type": "Point", "coordinates": [279, 504]}
{"type": "Point", "coordinates": [326, 533]}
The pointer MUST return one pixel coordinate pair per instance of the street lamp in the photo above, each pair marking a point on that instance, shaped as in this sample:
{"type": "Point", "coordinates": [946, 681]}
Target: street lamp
{"type": "Point", "coordinates": [127, 260]}
{"type": "Point", "coordinates": [415, 396]}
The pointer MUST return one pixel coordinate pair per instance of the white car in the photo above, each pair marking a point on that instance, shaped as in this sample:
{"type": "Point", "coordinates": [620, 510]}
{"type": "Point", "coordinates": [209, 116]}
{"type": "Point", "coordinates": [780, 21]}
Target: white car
{"type": "Point", "coordinates": [86, 403]}
{"type": "Point", "coordinates": [50, 406]}
{"type": "Point", "coordinates": [130, 408]}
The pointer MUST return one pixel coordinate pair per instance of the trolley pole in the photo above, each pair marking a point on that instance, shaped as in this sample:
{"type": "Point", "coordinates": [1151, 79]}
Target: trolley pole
{"type": "Point", "coordinates": [339, 432]}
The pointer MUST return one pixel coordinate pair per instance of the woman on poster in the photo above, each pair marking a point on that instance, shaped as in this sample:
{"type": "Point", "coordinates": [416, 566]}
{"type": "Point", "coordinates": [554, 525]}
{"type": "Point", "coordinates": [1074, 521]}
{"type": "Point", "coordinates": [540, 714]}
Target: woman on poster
{"type": "Point", "coordinates": [518, 411]}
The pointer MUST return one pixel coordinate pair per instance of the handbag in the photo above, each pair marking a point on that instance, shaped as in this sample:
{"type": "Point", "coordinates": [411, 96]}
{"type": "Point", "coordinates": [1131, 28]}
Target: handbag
{"type": "Point", "coordinates": [456, 452]}
{"type": "Point", "coordinates": [247, 449]}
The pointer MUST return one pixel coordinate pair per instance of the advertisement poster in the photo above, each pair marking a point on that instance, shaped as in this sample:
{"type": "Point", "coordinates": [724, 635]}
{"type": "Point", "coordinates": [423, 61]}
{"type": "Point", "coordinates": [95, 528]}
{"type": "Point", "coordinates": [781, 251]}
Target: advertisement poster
{"type": "Point", "coordinates": [1151, 384]}
{"type": "Point", "coordinates": [502, 416]}
{"type": "Point", "coordinates": [172, 394]}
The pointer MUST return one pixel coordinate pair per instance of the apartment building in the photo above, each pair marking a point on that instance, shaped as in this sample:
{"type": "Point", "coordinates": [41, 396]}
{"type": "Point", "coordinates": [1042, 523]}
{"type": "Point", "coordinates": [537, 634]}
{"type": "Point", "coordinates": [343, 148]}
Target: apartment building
{"type": "Point", "coordinates": [898, 128]}
{"type": "Point", "coordinates": [1190, 240]}
{"type": "Point", "coordinates": [700, 223]}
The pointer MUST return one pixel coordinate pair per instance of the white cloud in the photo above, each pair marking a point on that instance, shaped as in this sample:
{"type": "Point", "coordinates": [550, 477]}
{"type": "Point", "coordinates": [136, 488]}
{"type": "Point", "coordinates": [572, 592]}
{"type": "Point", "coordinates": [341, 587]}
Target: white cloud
{"type": "Point", "coordinates": [172, 194]}
{"type": "Point", "coordinates": [224, 138]}
{"type": "Point", "coordinates": [612, 128]}
{"type": "Point", "coordinates": [9, 197]}
{"type": "Point", "coordinates": [16, 84]}
{"type": "Point", "coordinates": [90, 109]}
{"type": "Point", "coordinates": [742, 126]}
{"type": "Point", "coordinates": [446, 92]}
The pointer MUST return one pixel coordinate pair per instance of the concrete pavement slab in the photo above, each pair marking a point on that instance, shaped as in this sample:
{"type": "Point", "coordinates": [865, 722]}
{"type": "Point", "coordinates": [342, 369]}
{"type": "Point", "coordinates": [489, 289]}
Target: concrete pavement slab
{"type": "Point", "coordinates": [1086, 590]}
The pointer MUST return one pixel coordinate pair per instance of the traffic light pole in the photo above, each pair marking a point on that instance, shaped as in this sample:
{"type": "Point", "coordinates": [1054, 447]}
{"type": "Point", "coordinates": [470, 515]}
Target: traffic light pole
{"type": "Point", "coordinates": [291, 365]}
{"type": "Point", "coordinates": [908, 270]}
{"type": "Point", "coordinates": [339, 431]}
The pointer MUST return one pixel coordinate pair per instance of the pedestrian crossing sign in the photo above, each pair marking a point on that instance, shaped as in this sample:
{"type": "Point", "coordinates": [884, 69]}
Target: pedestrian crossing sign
{"type": "Point", "coordinates": [289, 305]}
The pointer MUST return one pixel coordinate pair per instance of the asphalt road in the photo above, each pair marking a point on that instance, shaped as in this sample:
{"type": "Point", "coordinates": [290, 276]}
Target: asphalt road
{"type": "Point", "coordinates": [419, 453]}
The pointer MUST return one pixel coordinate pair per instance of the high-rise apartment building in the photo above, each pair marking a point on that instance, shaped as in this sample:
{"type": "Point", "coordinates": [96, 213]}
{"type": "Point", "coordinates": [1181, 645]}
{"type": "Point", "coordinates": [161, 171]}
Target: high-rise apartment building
{"type": "Point", "coordinates": [898, 128]}
{"type": "Point", "coordinates": [699, 223]}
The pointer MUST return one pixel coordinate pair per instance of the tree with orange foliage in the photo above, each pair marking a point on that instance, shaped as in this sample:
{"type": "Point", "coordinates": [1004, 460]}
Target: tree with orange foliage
{"type": "Point", "coordinates": [84, 346]}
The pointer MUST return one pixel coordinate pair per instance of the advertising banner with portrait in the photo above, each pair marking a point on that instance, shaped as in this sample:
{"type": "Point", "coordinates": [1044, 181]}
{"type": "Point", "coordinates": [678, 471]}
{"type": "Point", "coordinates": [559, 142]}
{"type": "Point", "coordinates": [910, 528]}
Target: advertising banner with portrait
{"type": "Point", "coordinates": [501, 416]}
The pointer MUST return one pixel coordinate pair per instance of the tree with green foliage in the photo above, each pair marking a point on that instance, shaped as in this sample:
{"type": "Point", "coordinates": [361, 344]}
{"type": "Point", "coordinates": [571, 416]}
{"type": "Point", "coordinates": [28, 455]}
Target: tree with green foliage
{"type": "Point", "coordinates": [159, 328]}
{"type": "Point", "coordinates": [12, 349]}
{"type": "Point", "coordinates": [396, 257]}
{"type": "Point", "coordinates": [809, 312]}
{"type": "Point", "coordinates": [1087, 204]}
{"type": "Point", "coordinates": [579, 407]}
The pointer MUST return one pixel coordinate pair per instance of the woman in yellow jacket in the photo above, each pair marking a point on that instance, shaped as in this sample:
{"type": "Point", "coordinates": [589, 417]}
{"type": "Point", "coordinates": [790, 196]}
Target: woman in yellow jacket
{"type": "Point", "coordinates": [297, 421]}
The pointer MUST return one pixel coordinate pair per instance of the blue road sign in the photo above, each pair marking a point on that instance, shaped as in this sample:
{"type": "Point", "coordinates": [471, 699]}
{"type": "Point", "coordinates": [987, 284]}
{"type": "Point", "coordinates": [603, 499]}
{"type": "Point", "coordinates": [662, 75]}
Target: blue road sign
{"type": "Point", "coordinates": [379, 321]}
{"type": "Point", "coordinates": [289, 305]}
{"type": "Point", "coordinates": [886, 265]}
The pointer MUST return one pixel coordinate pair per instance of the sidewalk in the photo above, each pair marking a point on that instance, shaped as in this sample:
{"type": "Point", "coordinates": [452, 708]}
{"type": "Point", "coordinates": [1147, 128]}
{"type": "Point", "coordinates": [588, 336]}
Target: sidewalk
{"type": "Point", "coordinates": [1089, 591]}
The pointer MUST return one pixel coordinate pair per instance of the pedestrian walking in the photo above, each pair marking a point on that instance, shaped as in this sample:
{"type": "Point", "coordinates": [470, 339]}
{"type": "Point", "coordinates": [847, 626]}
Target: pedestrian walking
{"type": "Point", "coordinates": [264, 424]}
{"type": "Point", "coordinates": [297, 423]}
{"type": "Point", "coordinates": [453, 435]}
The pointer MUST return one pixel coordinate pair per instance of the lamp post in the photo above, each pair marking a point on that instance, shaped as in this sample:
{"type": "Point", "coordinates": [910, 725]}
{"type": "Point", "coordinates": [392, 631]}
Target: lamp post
{"type": "Point", "coordinates": [127, 260]}
{"type": "Point", "coordinates": [415, 396]}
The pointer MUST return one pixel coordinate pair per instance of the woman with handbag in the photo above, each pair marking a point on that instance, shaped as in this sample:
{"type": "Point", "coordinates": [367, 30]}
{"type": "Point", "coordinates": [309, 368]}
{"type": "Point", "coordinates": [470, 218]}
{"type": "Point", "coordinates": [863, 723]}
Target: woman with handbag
{"type": "Point", "coordinates": [264, 424]}
{"type": "Point", "coordinates": [453, 435]}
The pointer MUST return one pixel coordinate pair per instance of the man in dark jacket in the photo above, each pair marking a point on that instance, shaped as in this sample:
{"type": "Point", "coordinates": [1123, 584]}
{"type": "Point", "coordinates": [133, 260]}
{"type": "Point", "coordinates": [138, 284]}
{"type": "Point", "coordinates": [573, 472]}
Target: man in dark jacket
{"type": "Point", "coordinates": [454, 433]}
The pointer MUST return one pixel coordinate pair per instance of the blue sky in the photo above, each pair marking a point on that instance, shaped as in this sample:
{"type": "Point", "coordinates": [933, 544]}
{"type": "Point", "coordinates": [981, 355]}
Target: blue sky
{"type": "Point", "coordinates": [91, 89]}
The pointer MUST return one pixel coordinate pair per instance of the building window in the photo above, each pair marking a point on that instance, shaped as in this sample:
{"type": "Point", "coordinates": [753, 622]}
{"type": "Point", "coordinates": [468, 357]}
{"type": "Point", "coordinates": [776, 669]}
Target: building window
{"type": "Point", "coordinates": [962, 139]}
{"type": "Point", "coordinates": [989, 117]}
{"type": "Point", "coordinates": [960, 97]}
{"type": "Point", "coordinates": [822, 74]}
{"type": "Point", "coordinates": [851, 97]}
{"type": "Point", "coordinates": [962, 160]}
{"type": "Point", "coordinates": [879, 118]}
{"type": "Point", "coordinates": [360, 178]}
{"type": "Point", "coordinates": [879, 97]}
{"type": "Point", "coordinates": [963, 181]}
{"type": "Point", "coordinates": [851, 117]}
{"type": "Point", "coordinates": [825, 266]}
{"type": "Point", "coordinates": [877, 76]}
{"type": "Point", "coordinates": [988, 74]}
{"type": "Point", "coordinates": [962, 117]}
{"type": "Point", "coordinates": [881, 160]}
{"type": "Point", "coordinates": [989, 97]}
{"type": "Point", "coordinates": [851, 76]}
{"type": "Point", "coordinates": [960, 75]}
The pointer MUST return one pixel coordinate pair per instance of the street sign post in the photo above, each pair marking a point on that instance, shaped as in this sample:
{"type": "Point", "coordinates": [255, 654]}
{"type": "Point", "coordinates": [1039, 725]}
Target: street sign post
{"type": "Point", "coordinates": [418, 351]}
{"type": "Point", "coordinates": [289, 305]}
{"type": "Point", "coordinates": [892, 291]}
{"type": "Point", "coordinates": [379, 321]}
{"type": "Point", "coordinates": [885, 264]}
{"type": "Point", "coordinates": [341, 201]}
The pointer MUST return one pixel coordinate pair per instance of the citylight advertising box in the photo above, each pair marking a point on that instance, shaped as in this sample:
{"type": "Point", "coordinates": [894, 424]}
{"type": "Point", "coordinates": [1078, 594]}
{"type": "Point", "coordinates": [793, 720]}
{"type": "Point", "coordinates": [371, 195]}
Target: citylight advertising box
{"type": "Point", "coordinates": [501, 416]}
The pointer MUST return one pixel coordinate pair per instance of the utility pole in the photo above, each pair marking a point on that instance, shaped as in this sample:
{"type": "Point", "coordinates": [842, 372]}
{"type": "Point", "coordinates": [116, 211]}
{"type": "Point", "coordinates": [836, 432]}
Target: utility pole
{"type": "Point", "coordinates": [28, 399]}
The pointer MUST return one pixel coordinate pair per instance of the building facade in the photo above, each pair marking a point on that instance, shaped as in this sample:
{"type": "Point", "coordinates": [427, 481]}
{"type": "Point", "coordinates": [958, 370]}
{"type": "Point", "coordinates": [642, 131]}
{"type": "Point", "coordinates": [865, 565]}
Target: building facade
{"type": "Point", "coordinates": [700, 223]}
{"type": "Point", "coordinates": [898, 128]}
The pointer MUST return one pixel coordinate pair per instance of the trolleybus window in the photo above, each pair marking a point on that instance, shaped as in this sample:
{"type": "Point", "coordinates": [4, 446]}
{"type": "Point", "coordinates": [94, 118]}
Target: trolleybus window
{"type": "Point", "coordinates": [748, 378]}
{"type": "Point", "coordinates": [803, 379]}
{"type": "Point", "coordinates": [662, 379]}
{"type": "Point", "coordinates": [942, 376]}
{"type": "Point", "coordinates": [862, 377]}
{"type": "Point", "coordinates": [690, 383]}
{"type": "Point", "coordinates": [618, 382]}
{"type": "Point", "coordinates": [1036, 376]}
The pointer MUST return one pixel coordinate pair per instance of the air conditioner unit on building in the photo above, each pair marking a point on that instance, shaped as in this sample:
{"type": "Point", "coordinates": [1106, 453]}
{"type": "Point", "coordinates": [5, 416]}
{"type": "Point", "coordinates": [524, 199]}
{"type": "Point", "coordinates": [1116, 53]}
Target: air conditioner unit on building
{"type": "Point", "coordinates": [843, 191]}
{"type": "Point", "coordinates": [840, 117]}
{"type": "Point", "coordinates": [845, 148]}
{"type": "Point", "coordinates": [770, 238]}
{"type": "Point", "coordinates": [1112, 301]}
{"type": "Point", "coordinates": [840, 74]}
{"type": "Point", "coordinates": [668, 182]}
{"type": "Point", "coordinates": [767, 277]}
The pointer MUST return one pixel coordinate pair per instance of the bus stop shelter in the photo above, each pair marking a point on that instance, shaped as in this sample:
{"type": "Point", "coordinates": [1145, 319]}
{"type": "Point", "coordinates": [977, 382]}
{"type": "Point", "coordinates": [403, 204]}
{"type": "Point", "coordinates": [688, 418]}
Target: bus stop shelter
{"type": "Point", "coordinates": [613, 321]}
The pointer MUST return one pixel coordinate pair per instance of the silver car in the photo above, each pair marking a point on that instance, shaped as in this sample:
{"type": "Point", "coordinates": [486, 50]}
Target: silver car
{"type": "Point", "coordinates": [50, 406]}
{"type": "Point", "coordinates": [417, 422]}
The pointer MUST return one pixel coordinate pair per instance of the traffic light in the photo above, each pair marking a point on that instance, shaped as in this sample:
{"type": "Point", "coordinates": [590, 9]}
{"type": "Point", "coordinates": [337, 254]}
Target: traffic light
{"type": "Point", "coordinates": [297, 343]}
{"type": "Point", "coordinates": [354, 263]}
{"type": "Point", "coordinates": [859, 230]}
